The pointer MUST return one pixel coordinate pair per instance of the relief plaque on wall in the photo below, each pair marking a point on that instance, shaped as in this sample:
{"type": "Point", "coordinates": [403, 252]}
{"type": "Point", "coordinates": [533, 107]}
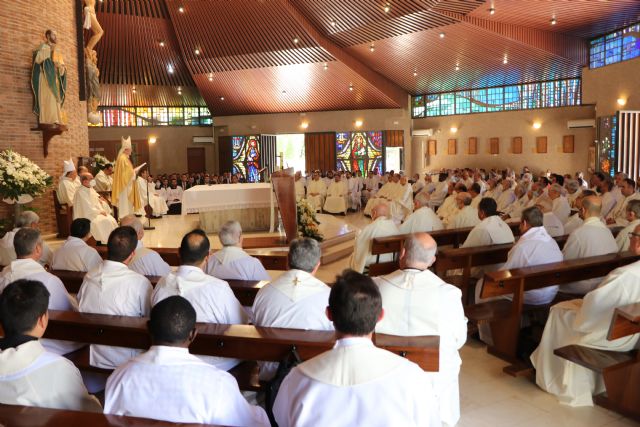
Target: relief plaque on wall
{"type": "Point", "coordinates": [432, 147]}
{"type": "Point", "coordinates": [568, 144]}
{"type": "Point", "coordinates": [494, 145]}
{"type": "Point", "coordinates": [516, 145]}
{"type": "Point", "coordinates": [451, 148]}
{"type": "Point", "coordinates": [473, 145]}
{"type": "Point", "coordinates": [541, 144]}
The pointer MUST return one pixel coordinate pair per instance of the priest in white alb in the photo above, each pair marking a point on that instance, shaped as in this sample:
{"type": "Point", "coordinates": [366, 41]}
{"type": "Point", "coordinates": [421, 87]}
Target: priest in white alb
{"type": "Point", "coordinates": [386, 194]}
{"type": "Point", "coordinates": [381, 226]}
{"type": "Point", "coordinates": [491, 230]}
{"type": "Point", "coordinates": [551, 222]}
{"type": "Point", "coordinates": [124, 193]}
{"type": "Point", "coordinates": [354, 187]}
{"type": "Point", "coordinates": [356, 383]}
{"type": "Point", "coordinates": [232, 262]}
{"type": "Point", "coordinates": [449, 207]}
{"type": "Point", "coordinates": [28, 247]}
{"type": "Point", "coordinates": [112, 288]}
{"type": "Point", "coordinates": [28, 219]}
{"type": "Point", "coordinates": [467, 215]}
{"type": "Point", "coordinates": [337, 196]}
{"type": "Point", "coordinates": [560, 204]}
{"type": "Point", "coordinates": [618, 214]}
{"type": "Point", "coordinates": [75, 254]}
{"type": "Point", "coordinates": [145, 261]}
{"type": "Point", "coordinates": [416, 302]}
{"type": "Point", "coordinates": [316, 192]}
{"type": "Point", "coordinates": [212, 298]}
{"type": "Point", "coordinates": [423, 217]}
{"type": "Point", "coordinates": [69, 183]}
{"type": "Point", "coordinates": [586, 322]}
{"type": "Point", "coordinates": [150, 196]}
{"type": "Point", "coordinates": [104, 179]}
{"type": "Point", "coordinates": [633, 216]}
{"type": "Point", "coordinates": [296, 299]}
{"type": "Point", "coordinates": [592, 238]}
{"type": "Point", "coordinates": [87, 204]}
{"type": "Point", "coordinates": [507, 195]}
{"type": "Point", "coordinates": [299, 186]}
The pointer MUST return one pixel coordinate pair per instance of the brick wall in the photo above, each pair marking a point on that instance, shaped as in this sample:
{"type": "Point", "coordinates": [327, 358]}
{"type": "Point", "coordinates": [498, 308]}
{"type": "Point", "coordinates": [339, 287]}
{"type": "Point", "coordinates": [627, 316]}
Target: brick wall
{"type": "Point", "coordinates": [22, 27]}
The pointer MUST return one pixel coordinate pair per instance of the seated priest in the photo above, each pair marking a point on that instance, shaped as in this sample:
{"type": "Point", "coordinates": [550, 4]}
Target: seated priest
{"type": "Point", "coordinates": [551, 222]}
{"type": "Point", "coordinates": [68, 184]}
{"type": "Point", "coordinates": [30, 374]}
{"type": "Point", "coordinates": [439, 193]}
{"type": "Point", "coordinates": [381, 226]}
{"type": "Point", "coordinates": [178, 387]}
{"type": "Point", "coordinates": [370, 185]}
{"type": "Point", "coordinates": [337, 196]}
{"type": "Point", "coordinates": [112, 288]}
{"type": "Point", "coordinates": [382, 388]}
{"type": "Point", "coordinates": [231, 262]}
{"type": "Point", "coordinates": [26, 219]}
{"type": "Point", "coordinates": [212, 298]}
{"type": "Point", "coordinates": [467, 215]}
{"type": "Point", "coordinates": [476, 194]}
{"type": "Point", "coordinates": [575, 220]}
{"type": "Point", "coordinates": [316, 191]}
{"type": "Point", "coordinates": [417, 302]}
{"type": "Point", "coordinates": [491, 230]}
{"type": "Point", "coordinates": [87, 204]}
{"type": "Point", "coordinates": [299, 185]}
{"type": "Point", "coordinates": [560, 204]}
{"type": "Point", "coordinates": [75, 254]}
{"type": "Point", "coordinates": [296, 299]}
{"type": "Point", "coordinates": [633, 216]}
{"type": "Point", "coordinates": [448, 208]}
{"type": "Point", "coordinates": [28, 247]}
{"type": "Point", "coordinates": [387, 194]}
{"type": "Point", "coordinates": [150, 196]}
{"type": "Point", "coordinates": [145, 261]}
{"type": "Point", "coordinates": [402, 206]}
{"type": "Point", "coordinates": [423, 217]}
{"type": "Point", "coordinates": [173, 196]}
{"type": "Point", "coordinates": [104, 179]}
{"type": "Point", "coordinates": [586, 322]}
{"type": "Point", "coordinates": [514, 210]}
{"type": "Point", "coordinates": [618, 215]}
{"type": "Point", "coordinates": [592, 238]}
{"type": "Point", "coordinates": [507, 195]}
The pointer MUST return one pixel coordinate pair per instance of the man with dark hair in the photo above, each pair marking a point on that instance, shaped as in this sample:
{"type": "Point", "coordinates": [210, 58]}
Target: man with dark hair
{"type": "Point", "coordinates": [145, 261]}
{"type": "Point", "coordinates": [29, 374]}
{"type": "Point", "coordinates": [296, 299]}
{"type": "Point", "coordinates": [380, 387]}
{"type": "Point", "coordinates": [28, 247]}
{"type": "Point", "coordinates": [212, 298]}
{"type": "Point", "coordinates": [476, 194]}
{"type": "Point", "coordinates": [178, 387]}
{"type": "Point", "coordinates": [75, 254]}
{"type": "Point", "coordinates": [112, 288]}
{"type": "Point", "coordinates": [492, 230]}
{"type": "Point", "coordinates": [104, 179]}
{"type": "Point", "coordinates": [618, 214]}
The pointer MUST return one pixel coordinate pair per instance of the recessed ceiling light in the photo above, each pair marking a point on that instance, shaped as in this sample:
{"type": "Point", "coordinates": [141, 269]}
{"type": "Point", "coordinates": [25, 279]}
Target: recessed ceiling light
{"type": "Point", "coordinates": [210, 77]}
{"type": "Point", "coordinates": [457, 68]}
{"type": "Point", "coordinates": [372, 47]}
{"type": "Point", "coordinates": [181, 9]}
{"type": "Point", "coordinates": [553, 21]}
{"type": "Point", "coordinates": [333, 23]}
{"type": "Point", "coordinates": [492, 10]}
{"type": "Point", "coordinates": [179, 90]}
{"type": "Point", "coordinates": [161, 43]}
{"type": "Point", "coordinates": [387, 8]}
{"type": "Point", "coordinates": [197, 51]}
{"type": "Point", "coordinates": [133, 89]}
{"type": "Point", "coordinates": [222, 98]}
{"type": "Point", "coordinates": [505, 60]}
{"type": "Point", "coordinates": [351, 87]}
{"type": "Point", "coordinates": [441, 35]}
{"type": "Point", "coordinates": [295, 41]}
{"type": "Point", "coordinates": [415, 73]}
{"type": "Point", "coordinates": [326, 66]}
{"type": "Point", "coordinates": [170, 69]}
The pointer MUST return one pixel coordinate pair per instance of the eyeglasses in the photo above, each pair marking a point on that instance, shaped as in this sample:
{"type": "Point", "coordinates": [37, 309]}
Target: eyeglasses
{"type": "Point", "coordinates": [632, 235]}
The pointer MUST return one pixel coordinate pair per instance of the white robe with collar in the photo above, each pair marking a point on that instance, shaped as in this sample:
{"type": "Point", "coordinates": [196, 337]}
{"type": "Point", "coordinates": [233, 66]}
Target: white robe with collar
{"type": "Point", "coordinates": [59, 298]}
{"type": "Point", "coordinates": [112, 288]}
{"type": "Point", "coordinates": [233, 263]}
{"type": "Point", "coordinates": [318, 188]}
{"type": "Point", "coordinates": [448, 208]}
{"type": "Point", "coordinates": [622, 239]}
{"type": "Point", "coordinates": [75, 255]}
{"type": "Point", "coordinates": [67, 188]}
{"type": "Point", "coordinates": [619, 212]}
{"type": "Point", "coordinates": [385, 194]}
{"type": "Point", "coordinates": [561, 208]}
{"type": "Point", "coordinates": [609, 201]}
{"type": "Point", "coordinates": [571, 197]}
{"type": "Point", "coordinates": [572, 223]}
{"type": "Point", "coordinates": [158, 204]}
{"type": "Point", "coordinates": [382, 389]}
{"type": "Point", "coordinates": [148, 262]}
{"type": "Point", "coordinates": [505, 199]}
{"type": "Point", "coordinates": [173, 195]}
{"type": "Point", "coordinates": [8, 252]}
{"type": "Point", "coordinates": [32, 376]}
{"type": "Point", "coordinates": [299, 187]}
{"type": "Point", "coordinates": [490, 231]}
{"type": "Point", "coordinates": [381, 227]}
{"type": "Point", "coordinates": [584, 322]}
{"type": "Point", "coordinates": [591, 239]}
{"type": "Point", "coordinates": [403, 204]}
{"type": "Point", "coordinates": [86, 204]}
{"type": "Point", "coordinates": [336, 200]}
{"type": "Point", "coordinates": [465, 217]}
{"type": "Point", "coordinates": [420, 303]}
{"type": "Point", "coordinates": [213, 300]}
{"type": "Point", "coordinates": [515, 209]}
{"type": "Point", "coordinates": [421, 220]}
{"type": "Point", "coordinates": [552, 224]}
{"type": "Point", "coordinates": [104, 182]}
{"type": "Point", "coordinates": [295, 300]}
{"type": "Point", "coordinates": [180, 388]}
{"type": "Point", "coordinates": [438, 195]}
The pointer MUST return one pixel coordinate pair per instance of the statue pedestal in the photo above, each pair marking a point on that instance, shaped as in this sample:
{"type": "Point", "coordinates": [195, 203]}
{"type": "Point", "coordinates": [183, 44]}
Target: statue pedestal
{"type": "Point", "coordinates": [48, 132]}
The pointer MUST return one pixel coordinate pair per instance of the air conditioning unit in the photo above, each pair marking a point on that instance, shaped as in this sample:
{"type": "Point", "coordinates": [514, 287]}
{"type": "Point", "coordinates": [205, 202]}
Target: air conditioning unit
{"type": "Point", "coordinates": [583, 123]}
{"type": "Point", "coordinates": [422, 132]}
{"type": "Point", "coordinates": [202, 140]}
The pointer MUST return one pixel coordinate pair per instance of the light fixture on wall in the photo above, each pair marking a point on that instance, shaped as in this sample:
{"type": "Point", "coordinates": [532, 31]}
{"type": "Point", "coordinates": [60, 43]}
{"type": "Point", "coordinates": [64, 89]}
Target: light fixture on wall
{"type": "Point", "coordinates": [453, 129]}
{"type": "Point", "coordinates": [304, 125]}
{"type": "Point", "coordinates": [537, 125]}
{"type": "Point", "coordinates": [152, 140]}
{"type": "Point", "coordinates": [358, 123]}
{"type": "Point", "coordinates": [622, 101]}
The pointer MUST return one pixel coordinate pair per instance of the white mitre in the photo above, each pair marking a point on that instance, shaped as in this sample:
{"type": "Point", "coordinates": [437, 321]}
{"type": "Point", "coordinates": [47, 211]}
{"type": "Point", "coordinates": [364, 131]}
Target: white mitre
{"type": "Point", "coordinates": [126, 143]}
{"type": "Point", "coordinates": [68, 166]}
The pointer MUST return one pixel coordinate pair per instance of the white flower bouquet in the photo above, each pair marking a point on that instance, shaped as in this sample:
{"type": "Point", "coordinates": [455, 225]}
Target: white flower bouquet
{"type": "Point", "coordinates": [100, 161]}
{"type": "Point", "coordinates": [307, 222]}
{"type": "Point", "coordinates": [21, 179]}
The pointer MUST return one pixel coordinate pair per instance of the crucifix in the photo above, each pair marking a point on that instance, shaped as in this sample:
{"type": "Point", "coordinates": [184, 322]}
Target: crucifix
{"type": "Point", "coordinates": [296, 281]}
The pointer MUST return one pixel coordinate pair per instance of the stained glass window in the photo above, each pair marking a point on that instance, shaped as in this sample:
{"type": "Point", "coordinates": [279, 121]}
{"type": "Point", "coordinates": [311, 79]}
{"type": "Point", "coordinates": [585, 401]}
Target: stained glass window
{"type": "Point", "coordinates": [495, 99]}
{"type": "Point", "coordinates": [154, 116]}
{"type": "Point", "coordinates": [246, 157]}
{"type": "Point", "coordinates": [191, 116]}
{"type": "Point", "coordinates": [618, 46]}
{"type": "Point", "coordinates": [479, 101]}
{"type": "Point", "coordinates": [432, 103]}
{"type": "Point", "coordinates": [418, 106]}
{"type": "Point", "coordinates": [606, 145]}
{"type": "Point", "coordinates": [512, 96]}
{"type": "Point", "coordinates": [160, 116]}
{"type": "Point", "coordinates": [359, 151]}
{"type": "Point", "coordinates": [205, 116]}
{"type": "Point", "coordinates": [144, 116]}
{"type": "Point", "coordinates": [463, 104]}
{"type": "Point", "coordinates": [119, 117]}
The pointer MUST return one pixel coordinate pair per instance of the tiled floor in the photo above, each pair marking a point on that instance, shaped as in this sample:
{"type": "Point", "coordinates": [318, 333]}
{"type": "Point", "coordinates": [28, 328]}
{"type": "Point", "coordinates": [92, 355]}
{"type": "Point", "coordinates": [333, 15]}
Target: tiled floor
{"type": "Point", "coordinates": [489, 397]}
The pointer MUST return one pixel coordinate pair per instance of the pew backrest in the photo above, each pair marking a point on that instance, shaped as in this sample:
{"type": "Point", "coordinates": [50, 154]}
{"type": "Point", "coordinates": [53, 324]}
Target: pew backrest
{"type": "Point", "coordinates": [625, 322]}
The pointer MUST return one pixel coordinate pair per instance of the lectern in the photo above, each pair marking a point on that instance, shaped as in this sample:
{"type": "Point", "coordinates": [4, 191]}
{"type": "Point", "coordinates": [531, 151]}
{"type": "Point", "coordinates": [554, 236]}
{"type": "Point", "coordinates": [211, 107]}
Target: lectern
{"type": "Point", "coordinates": [284, 187]}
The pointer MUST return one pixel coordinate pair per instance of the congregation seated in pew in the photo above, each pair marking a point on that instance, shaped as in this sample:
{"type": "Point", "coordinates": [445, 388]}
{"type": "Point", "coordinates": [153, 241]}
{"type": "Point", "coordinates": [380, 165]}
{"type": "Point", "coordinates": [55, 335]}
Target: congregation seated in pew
{"type": "Point", "coordinates": [381, 226]}
{"type": "Point", "coordinates": [176, 385]}
{"type": "Point", "coordinates": [75, 254]}
{"type": "Point", "coordinates": [145, 261]}
{"type": "Point", "coordinates": [423, 217]}
{"type": "Point", "coordinates": [212, 298]}
{"type": "Point", "coordinates": [491, 230]}
{"type": "Point", "coordinates": [381, 387]}
{"type": "Point", "coordinates": [586, 322]}
{"type": "Point", "coordinates": [633, 218]}
{"type": "Point", "coordinates": [29, 373]}
{"type": "Point", "coordinates": [466, 215]}
{"type": "Point", "coordinates": [232, 262]}
{"type": "Point", "coordinates": [296, 299]}
{"type": "Point", "coordinates": [28, 219]}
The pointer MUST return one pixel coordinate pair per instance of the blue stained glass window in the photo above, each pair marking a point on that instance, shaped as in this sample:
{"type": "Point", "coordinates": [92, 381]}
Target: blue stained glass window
{"type": "Point", "coordinates": [479, 101]}
{"type": "Point", "coordinates": [495, 99]}
{"type": "Point", "coordinates": [615, 47]}
{"type": "Point", "coordinates": [432, 103]}
{"type": "Point", "coordinates": [447, 104]}
{"type": "Point", "coordinates": [512, 98]}
{"type": "Point", "coordinates": [418, 106]}
{"type": "Point", "coordinates": [463, 104]}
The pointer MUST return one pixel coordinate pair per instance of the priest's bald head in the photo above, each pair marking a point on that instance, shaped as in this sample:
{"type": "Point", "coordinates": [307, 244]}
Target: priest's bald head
{"type": "Point", "coordinates": [381, 210]}
{"type": "Point", "coordinates": [194, 249]}
{"type": "Point", "coordinates": [172, 322]}
{"type": "Point", "coordinates": [133, 222]}
{"type": "Point", "coordinates": [591, 207]}
{"type": "Point", "coordinates": [418, 252]}
{"type": "Point", "coordinates": [355, 305]}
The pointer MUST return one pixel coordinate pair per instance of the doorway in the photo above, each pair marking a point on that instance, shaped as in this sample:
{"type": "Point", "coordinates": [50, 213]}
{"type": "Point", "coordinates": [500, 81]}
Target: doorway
{"type": "Point", "coordinates": [195, 160]}
{"type": "Point", "coordinates": [394, 159]}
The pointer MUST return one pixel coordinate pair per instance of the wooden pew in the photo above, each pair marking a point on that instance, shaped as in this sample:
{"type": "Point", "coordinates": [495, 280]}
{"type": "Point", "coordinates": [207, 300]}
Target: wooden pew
{"type": "Point", "coordinates": [504, 315]}
{"type": "Point", "coordinates": [270, 259]}
{"type": "Point", "coordinates": [234, 341]}
{"type": "Point", "coordinates": [244, 290]}
{"type": "Point", "coordinates": [27, 416]}
{"type": "Point", "coordinates": [619, 369]}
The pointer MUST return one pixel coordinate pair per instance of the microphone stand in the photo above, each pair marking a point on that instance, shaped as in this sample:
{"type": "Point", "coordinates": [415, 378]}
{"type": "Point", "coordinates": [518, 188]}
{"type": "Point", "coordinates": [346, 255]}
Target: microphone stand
{"type": "Point", "coordinates": [148, 227]}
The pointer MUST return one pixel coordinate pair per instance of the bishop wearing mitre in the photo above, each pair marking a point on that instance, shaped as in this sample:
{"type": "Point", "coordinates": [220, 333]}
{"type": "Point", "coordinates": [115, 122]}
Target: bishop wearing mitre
{"type": "Point", "coordinates": [124, 194]}
{"type": "Point", "coordinates": [87, 204]}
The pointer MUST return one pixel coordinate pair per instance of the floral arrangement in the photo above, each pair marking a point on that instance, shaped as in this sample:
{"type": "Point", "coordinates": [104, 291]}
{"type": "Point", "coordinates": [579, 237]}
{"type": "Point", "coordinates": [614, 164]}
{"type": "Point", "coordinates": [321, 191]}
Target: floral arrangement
{"type": "Point", "coordinates": [100, 161]}
{"type": "Point", "coordinates": [307, 222]}
{"type": "Point", "coordinates": [20, 179]}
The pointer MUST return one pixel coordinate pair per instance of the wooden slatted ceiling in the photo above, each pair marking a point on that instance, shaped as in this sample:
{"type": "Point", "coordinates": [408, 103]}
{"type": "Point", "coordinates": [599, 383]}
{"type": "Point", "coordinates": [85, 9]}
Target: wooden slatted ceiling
{"type": "Point", "coordinates": [148, 8]}
{"type": "Point", "coordinates": [308, 88]}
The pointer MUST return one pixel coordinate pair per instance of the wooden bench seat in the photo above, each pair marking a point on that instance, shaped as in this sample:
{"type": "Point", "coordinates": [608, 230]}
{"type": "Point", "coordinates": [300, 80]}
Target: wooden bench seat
{"type": "Point", "coordinates": [234, 341]}
{"type": "Point", "coordinates": [27, 416]}
{"type": "Point", "coordinates": [244, 290]}
{"type": "Point", "coordinates": [505, 324]}
{"type": "Point", "coordinates": [619, 369]}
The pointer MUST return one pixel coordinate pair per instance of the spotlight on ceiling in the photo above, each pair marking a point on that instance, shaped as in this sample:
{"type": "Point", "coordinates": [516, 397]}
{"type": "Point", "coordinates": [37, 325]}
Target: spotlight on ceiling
{"type": "Point", "coordinates": [622, 101]}
{"type": "Point", "coordinates": [222, 98]}
{"type": "Point", "coordinates": [492, 11]}
{"type": "Point", "coordinates": [326, 66]}
{"type": "Point", "coordinates": [387, 8]}
{"type": "Point", "coordinates": [197, 51]}
{"type": "Point", "coordinates": [372, 47]}
{"type": "Point", "coordinates": [441, 35]}
{"type": "Point", "coordinates": [351, 87]}
{"type": "Point", "coordinates": [210, 77]}
{"type": "Point", "coordinates": [181, 9]}
{"type": "Point", "coordinates": [553, 21]}
{"type": "Point", "coordinates": [296, 40]}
